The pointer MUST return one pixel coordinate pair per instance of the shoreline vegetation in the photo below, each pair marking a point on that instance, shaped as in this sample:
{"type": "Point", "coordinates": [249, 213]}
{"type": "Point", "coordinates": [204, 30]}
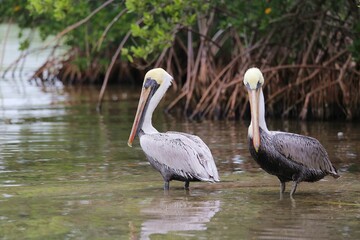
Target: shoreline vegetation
{"type": "Point", "coordinates": [309, 51]}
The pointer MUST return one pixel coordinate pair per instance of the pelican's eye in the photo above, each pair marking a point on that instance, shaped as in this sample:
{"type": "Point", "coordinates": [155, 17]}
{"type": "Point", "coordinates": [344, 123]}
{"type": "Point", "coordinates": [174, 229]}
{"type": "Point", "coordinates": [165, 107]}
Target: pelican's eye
{"type": "Point", "coordinates": [149, 82]}
{"type": "Point", "coordinates": [259, 84]}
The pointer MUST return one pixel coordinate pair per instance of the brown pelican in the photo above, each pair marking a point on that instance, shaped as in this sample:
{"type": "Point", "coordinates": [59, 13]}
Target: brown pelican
{"type": "Point", "coordinates": [177, 156]}
{"type": "Point", "coordinates": [290, 157]}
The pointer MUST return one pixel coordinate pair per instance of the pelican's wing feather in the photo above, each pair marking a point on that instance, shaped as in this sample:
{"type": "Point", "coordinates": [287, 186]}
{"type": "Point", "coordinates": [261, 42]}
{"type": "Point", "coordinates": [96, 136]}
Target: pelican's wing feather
{"type": "Point", "coordinates": [182, 153]}
{"type": "Point", "coordinates": [305, 150]}
{"type": "Point", "coordinates": [205, 155]}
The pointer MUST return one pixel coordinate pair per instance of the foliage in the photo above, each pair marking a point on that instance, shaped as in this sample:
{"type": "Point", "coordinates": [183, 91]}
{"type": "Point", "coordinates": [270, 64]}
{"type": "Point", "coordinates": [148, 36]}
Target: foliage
{"type": "Point", "coordinates": [160, 23]}
{"type": "Point", "coordinates": [207, 45]}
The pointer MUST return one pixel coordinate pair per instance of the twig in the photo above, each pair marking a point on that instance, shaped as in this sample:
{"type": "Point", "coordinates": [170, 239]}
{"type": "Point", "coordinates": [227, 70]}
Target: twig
{"type": "Point", "coordinates": [113, 60]}
{"type": "Point", "coordinates": [189, 69]}
{"type": "Point", "coordinates": [107, 75]}
{"type": "Point", "coordinates": [82, 21]}
{"type": "Point", "coordinates": [304, 110]}
{"type": "Point", "coordinates": [344, 88]}
{"type": "Point", "coordinates": [4, 42]}
{"type": "Point", "coordinates": [115, 19]}
{"type": "Point", "coordinates": [316, 32]}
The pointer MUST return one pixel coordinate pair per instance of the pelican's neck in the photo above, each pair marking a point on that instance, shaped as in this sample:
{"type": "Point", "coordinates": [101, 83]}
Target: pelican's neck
{"type": "Point", "coordinates": [147, 126]}
{"type": "Point", "coordinates": [262, 122]}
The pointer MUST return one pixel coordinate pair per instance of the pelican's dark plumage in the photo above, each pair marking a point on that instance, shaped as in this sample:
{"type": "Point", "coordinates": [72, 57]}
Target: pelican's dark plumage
{"type": "Point", "coordinates": [290, 157]}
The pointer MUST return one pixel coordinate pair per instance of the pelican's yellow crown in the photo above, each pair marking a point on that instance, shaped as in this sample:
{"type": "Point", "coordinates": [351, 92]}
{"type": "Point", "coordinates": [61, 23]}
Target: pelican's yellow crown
{"type": "Point", "coordinates": [253, 77]}
{"type": "Point", "coordinates": [159, 75]}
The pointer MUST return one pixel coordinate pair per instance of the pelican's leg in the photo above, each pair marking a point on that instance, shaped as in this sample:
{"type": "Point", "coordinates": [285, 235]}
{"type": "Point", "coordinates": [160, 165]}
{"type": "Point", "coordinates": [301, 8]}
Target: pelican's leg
{"type": "Point", "coordinates": [187, 184]}
{"type": "Point", "coordinates": [293, 190]}
{"type": "Point", "coordinates": [166, 185]}
{"type": "Point", "coordinates": [282, 189]}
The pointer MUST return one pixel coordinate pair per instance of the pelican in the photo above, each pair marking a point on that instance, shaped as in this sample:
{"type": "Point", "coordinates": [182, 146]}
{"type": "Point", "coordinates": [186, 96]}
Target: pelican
{"type": "Point", "coordinates": [177, 156]}
{"type": "Point", "coordinates": [289, 156]}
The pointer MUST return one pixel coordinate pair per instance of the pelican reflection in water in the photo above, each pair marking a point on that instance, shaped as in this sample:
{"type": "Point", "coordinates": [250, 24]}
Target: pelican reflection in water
{"type": "Point", "coordinates": [177, 156]}
{"type": "Point", "coordinates": [290, 157]}
{"type": "Point", "coordinates": [177, 215]}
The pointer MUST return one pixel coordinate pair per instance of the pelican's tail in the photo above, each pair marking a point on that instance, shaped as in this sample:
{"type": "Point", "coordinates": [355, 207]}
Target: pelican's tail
{"type": "Point", "coordinates": [216, 179]}
{"type": "Point", "coordinates": [334, 173]}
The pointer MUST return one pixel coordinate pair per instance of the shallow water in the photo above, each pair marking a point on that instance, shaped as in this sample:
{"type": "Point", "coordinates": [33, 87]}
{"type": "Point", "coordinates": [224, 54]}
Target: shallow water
{"type": "Point", "coordinates": [66, 172]}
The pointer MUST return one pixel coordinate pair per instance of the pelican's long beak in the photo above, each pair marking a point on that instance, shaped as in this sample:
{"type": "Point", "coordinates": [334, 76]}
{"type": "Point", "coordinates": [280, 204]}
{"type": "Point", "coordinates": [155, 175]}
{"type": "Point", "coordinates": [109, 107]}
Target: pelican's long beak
{"type": "Point", "coordinates": [254, 95]}
{"type": "Point", "coordinates": [141, 110]}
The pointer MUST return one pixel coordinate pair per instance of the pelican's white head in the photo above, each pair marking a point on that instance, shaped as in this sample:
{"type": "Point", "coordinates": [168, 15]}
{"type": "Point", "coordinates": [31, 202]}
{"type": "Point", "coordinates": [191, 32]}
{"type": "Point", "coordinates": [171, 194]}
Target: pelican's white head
{"type": "Point", "coordinates": [159, 75]}
{"type": "Point", "coordinates": [254, 80]}
{"type": "Point", "coordinates": [156, 82]}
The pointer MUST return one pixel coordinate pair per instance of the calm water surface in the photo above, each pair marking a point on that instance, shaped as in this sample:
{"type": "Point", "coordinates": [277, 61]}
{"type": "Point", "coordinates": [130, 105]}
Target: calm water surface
{"type": "Point", "coordinates": [66, 172]}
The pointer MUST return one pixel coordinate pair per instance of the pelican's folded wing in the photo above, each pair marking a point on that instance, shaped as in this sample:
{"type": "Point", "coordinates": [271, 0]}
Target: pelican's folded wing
{"type": "Point", "coordinates": [204, 154]}
{"type": "Point", "coordinates": [181, 153]}
{"type": "Point", "coordinates": [305, 150]}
